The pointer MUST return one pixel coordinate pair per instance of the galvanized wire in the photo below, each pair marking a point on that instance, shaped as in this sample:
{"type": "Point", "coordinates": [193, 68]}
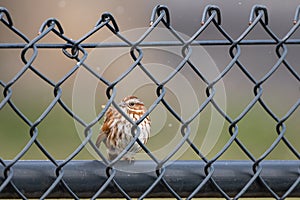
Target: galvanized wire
{"type": "Point", "coordinates": [77, 50]}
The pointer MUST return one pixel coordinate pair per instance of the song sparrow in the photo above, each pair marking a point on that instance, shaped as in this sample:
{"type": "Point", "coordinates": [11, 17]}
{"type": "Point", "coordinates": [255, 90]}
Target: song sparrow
{"type": "Point", "coordinates": [116, 130]}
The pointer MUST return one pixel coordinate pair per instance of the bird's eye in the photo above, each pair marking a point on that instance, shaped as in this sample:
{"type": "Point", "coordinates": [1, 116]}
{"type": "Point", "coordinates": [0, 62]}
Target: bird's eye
{"type": "Point", "coordinates": [131, 104]}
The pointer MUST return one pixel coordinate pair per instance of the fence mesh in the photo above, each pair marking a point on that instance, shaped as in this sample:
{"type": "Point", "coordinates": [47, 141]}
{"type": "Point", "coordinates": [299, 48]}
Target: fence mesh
{"type": "Point", "coordinates": [78, 51]}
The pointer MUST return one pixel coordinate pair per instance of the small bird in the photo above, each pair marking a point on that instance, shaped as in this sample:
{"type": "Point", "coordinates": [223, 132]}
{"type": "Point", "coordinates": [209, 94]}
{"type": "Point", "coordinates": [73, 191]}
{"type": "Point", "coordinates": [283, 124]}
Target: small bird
{"type": "Point", "coordinates": [116, 130]}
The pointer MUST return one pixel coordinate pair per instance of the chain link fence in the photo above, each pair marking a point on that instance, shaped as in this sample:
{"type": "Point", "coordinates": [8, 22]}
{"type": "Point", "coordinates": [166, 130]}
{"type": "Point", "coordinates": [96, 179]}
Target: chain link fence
{"type": "Point", "coordinates": [204, 176]}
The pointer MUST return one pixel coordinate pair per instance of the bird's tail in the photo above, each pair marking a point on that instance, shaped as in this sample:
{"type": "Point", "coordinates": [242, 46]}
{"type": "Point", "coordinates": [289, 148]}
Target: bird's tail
{"type": "Point", "coordinates": [100, 139]}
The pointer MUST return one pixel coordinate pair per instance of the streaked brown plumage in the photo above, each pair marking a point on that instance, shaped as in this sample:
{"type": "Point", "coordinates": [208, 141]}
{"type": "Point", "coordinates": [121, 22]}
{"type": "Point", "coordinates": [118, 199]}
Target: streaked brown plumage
{"type": "Point", "coordinates": [116, 130]}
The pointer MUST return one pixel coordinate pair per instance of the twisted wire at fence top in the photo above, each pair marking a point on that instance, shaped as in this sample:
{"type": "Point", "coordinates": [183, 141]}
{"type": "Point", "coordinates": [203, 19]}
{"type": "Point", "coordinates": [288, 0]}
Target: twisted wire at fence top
{"type": "Point", "coordinates": [76, 50]}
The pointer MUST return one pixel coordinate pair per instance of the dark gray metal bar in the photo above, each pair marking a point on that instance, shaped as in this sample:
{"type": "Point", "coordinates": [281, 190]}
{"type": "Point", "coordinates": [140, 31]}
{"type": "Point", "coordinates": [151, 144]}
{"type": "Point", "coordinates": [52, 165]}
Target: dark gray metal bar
{"type": "Point", "coordinates": [150, 44]}
{"type": "Point", "coordinates": [33, 178]}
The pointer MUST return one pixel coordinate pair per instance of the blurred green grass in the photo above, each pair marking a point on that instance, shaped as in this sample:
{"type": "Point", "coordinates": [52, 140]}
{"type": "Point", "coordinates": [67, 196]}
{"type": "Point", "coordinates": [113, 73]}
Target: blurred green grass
{"type": "Point", "coordinates": [59, 136]}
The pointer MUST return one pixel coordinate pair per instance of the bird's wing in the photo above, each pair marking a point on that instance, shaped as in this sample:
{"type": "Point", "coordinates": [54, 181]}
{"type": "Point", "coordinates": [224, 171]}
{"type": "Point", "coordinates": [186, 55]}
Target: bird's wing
{"type": "Point", "coordinates": [104, 129]}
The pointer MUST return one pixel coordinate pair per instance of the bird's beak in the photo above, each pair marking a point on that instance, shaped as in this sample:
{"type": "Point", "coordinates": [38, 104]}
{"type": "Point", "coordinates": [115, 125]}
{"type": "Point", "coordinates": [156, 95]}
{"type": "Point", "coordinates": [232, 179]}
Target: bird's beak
{"type": "Point", "coordinates": [122, 104]}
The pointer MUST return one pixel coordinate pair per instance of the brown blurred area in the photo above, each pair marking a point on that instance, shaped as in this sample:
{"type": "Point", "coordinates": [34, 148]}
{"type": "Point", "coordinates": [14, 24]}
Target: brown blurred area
{"type": "Point", "coordinates": [78, 17]}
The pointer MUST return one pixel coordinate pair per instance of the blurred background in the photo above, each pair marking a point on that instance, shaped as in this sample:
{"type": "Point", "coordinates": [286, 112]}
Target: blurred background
{"type": "Point", "coordinates": [60, 135]}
